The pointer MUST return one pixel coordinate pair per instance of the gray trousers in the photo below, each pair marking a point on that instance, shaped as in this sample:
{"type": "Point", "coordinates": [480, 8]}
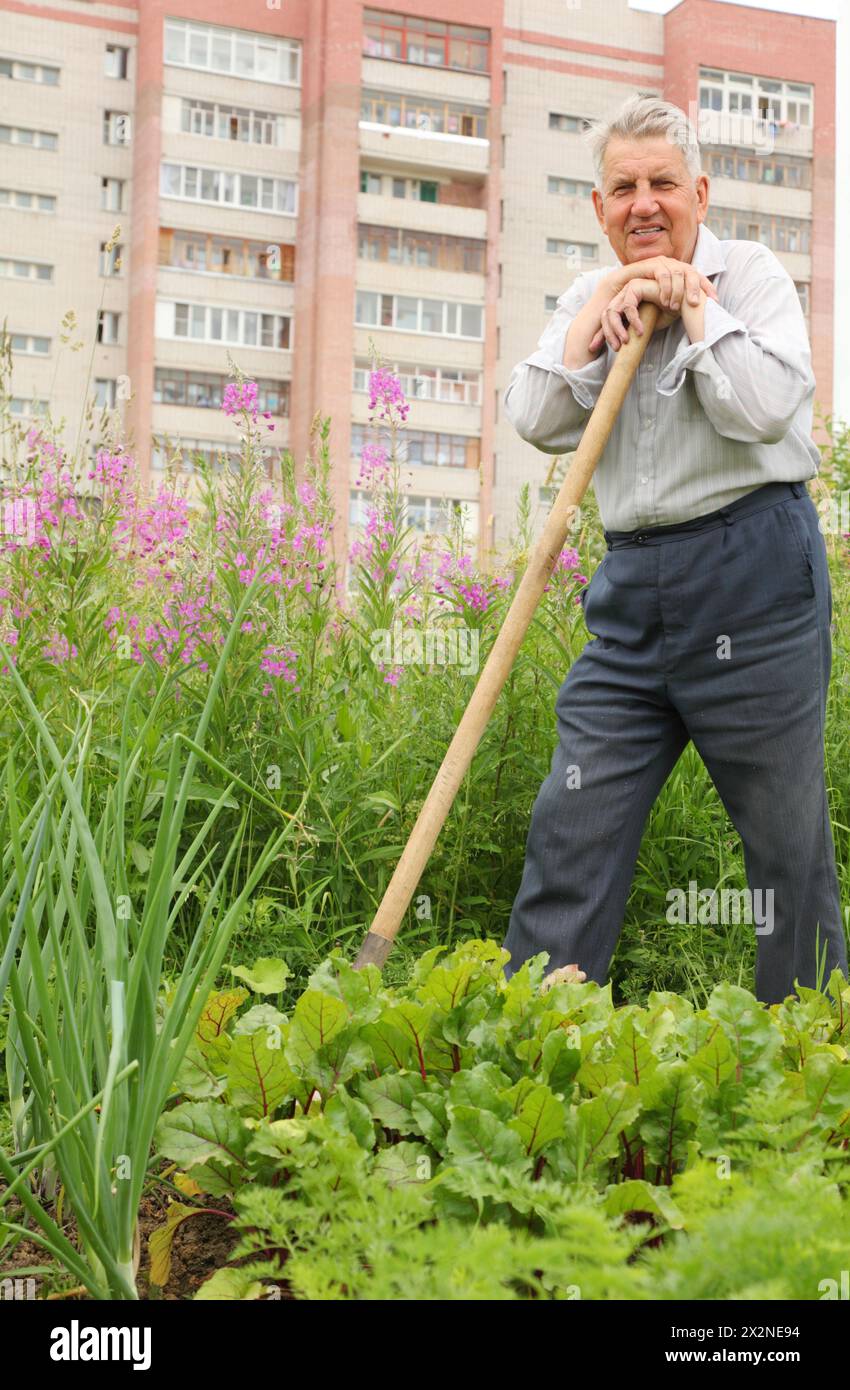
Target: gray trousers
{"type": "Point", "coordinates": [715, 630]}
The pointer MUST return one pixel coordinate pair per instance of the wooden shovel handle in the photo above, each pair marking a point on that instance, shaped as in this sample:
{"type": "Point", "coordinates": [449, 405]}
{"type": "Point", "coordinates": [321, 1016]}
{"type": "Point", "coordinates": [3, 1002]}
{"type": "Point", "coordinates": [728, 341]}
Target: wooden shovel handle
{"type": "Point", "coordinates": [378, 941]}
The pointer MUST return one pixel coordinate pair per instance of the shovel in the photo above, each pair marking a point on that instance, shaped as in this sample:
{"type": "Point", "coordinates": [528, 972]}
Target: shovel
{"type": "Point", "coordinates": [378, 941]}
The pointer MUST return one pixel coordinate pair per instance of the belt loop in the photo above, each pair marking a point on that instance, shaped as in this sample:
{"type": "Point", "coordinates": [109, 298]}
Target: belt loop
{"type": "Point", "coordinates": [727, 516]}
{"type": "Point", "coordinates": [797, 489]}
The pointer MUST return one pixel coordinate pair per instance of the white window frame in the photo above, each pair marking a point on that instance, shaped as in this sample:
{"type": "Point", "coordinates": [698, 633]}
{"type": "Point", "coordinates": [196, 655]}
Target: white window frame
{"type": "Point", "coordinates": [108, 316]}
{"type": "Point", "coordinates": [228, 179]}
{"type": "Point", "coordinates": [584, 249]}
{"type": "Point", "coordinates": [106, 184]}
{"type": "Point", "coordinates": [452, 314]}
{"type": "Point", "coordinates": [21, 69]}
{"type": "Point", "coordinates": [203, 314]}
{"type": "Point", "coordinates": [9, 270]}
{"type": "Point", "coordinates": [38, 137]}
{"type": "Point", "coordinates": [31, 339]}
{"type": "Point", "coordinates": [408, 376]}
{"type": "Point", "coordinates": [582, 187]}
{"type": "Point", "coordinates": [214, 40]}
{"type": "Point", "coordinates": [124, 61]}
{"type": "Point", "coordinates": [197, 111]}
{"type": "Point", "coordinates": [110, 394]}
{"type": "Point", "coordinates": [727, 83]}
{"type": "Point", "coordinates": [28, 407]}
{"type": "Point", "coordinates": [15, 193]}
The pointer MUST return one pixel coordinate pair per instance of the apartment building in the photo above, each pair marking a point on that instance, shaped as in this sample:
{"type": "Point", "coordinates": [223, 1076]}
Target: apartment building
{"type": "Point", "coordinates": [297, 184]}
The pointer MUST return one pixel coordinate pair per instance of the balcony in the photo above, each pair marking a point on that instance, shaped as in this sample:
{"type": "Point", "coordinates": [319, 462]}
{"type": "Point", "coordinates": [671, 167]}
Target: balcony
{"type": "Point", "coordinates": [731, 128]}
{"type": "Point", "coordinates": [424, 132]}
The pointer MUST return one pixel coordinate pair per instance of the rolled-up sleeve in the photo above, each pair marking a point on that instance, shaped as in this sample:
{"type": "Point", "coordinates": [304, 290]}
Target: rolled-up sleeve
{"type": "Point", "coordinates": [547, 403]}
{"type": "Point", "coordinates": [753, 367]}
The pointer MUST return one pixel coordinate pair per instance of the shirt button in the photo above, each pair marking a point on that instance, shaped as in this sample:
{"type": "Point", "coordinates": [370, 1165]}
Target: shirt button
{"type": "Point", "coordinates": [647, 424]}
{"type": "Point", "coordinates": [650, 366]}
{"type": "Point", "coordinates": [644, 480]}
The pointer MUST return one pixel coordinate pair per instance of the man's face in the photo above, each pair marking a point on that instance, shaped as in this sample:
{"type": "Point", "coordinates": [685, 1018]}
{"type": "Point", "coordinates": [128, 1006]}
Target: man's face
{"type": "Point", "coordinates": [650, 204]}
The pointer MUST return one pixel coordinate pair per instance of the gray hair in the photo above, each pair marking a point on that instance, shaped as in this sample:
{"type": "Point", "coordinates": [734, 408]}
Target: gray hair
{"type": "Point", "coordinates": [641, 117]}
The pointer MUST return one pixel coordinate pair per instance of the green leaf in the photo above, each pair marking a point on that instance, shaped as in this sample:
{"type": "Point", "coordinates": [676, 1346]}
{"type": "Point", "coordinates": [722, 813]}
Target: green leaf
{"type": "Point", "coordinates": [593, 1127]}
{"type": "Point", "coordinates": [259, 1078]}
{"type": "Point", "coordinates": [637, 1195]}
{"type": "Point", "coordinates": [317, 1018]}
{"type": "Point", "coordinates": [403, 1163]}
{"type": "Point", "coordinates": [390, 1099]}
{"type": "Point", "coordinates": [141, 857]}
{"type": "Point", "coordinates": [208, 1134]}
{"type": "Point", "coordinates": [539, 1116]}
{"type": "Point", "coordinates": [267, 975]}
{"type": "Point", "coordinates": [350, 1116]}
{"type": "Point", "coordinates": [230, 1285]}
{"type": "Point", "coordinates": [480, 1136]}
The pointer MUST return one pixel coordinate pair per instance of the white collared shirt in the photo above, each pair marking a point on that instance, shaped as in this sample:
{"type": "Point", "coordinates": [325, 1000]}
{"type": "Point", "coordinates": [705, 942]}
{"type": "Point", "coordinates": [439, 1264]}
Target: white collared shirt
{"type": "Point", "coordinates": [702, 423]}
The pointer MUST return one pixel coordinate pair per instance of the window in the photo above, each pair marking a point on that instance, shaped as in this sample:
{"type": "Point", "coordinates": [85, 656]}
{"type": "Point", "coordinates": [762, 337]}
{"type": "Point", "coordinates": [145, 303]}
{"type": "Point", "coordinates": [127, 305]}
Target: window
{"type": "Point", "coordinates": [571, 125]}
{"type": "Point", "coordinates": [402, 246]}
{"type": "Point", "coordinates": [112, 195]}
{"type": "Point", "coordinates": [207, 323]}
{"type": "Point", "coordinates": [569, 188]}
{"type": "Point", "coordinates": [28, 407]}
{"type": "Point", "coordinates": [452, 385]}
{"type": "Point", "coordinates": [219, 186]}
{"type": "Point", "coordinates": [210, 48]}
{"type": "Point", "coordinates": [116, 128]}
{"type": "Point", "coordinates": [20, 135]}
{"type": "Point", "coordinates": [433, 43]}
{"type": "Point", "coordinates": [110, 261]}
{"type": "Point", "coordinates": [789, 234]}
{"type": "Point", "coordinates": [204, 253]}
{"type": "Point", "coordinates": [231, 123]}
{"type": "Point", "coordinates": [108, 324]}
{"type": "Point", "coordinates": [425, 448]}
{"type": "Point", "coordinates": [30, 344]}
{"type": "Point", "coordinates": [29, 72]}
{"type": "Point", "coordinates": [781, 103]}
{"type": "Point", "coordinates": [411, 315]}
{"type": "Point", "coordinates": [218, 455]}
{"type": "Point", "coordinates": [423, 114]}
{"type": "Point", "coordinates": [115, 60]}
{"type": "Point", "coordinates": [205, 390]}
{"type": "Point", "coordinates": [105, 393]}
{"type": "Point", "coordinates": [26, 270]}
{"type": "Point", "coordinates": [575, 251]}
{"type": "Point", "coordinates": [30, 202]}
{"type": "Point", "coordinates": [782, 169]}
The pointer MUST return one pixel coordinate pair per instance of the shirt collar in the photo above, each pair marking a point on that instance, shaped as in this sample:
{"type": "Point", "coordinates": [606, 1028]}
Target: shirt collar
{"type": "Point", "coordinates": [708, 253]}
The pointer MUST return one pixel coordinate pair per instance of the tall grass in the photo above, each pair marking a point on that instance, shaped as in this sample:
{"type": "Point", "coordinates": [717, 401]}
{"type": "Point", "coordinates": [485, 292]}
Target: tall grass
{"type": "Point", "coordinates": [93, 1045]}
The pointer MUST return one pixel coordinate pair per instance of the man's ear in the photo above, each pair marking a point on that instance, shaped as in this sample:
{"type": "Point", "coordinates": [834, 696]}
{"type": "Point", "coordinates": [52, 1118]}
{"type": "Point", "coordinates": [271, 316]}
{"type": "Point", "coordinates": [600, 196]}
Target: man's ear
{"type": "Point", "coordinates": [598, 208]}
{"type": "Point", "coordinates": [703, 185]}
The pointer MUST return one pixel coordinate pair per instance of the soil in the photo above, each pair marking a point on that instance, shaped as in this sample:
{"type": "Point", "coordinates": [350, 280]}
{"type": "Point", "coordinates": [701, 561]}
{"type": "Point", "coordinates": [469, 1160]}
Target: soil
{"type": "Point", "coordinates": [202, 1244]}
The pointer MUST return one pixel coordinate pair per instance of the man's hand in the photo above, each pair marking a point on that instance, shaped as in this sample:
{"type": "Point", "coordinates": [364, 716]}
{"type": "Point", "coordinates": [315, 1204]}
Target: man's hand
{"type": "Point", "coordinates": [675, 282]}
{"type": "Point", "coordinates": [622, 312]}
{"type": "Point", "coordinates": [675, 279]}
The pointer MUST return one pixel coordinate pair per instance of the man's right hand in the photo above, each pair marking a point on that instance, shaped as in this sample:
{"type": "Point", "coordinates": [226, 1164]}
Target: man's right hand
{"type": "Point", "coordinates": [675, 279]}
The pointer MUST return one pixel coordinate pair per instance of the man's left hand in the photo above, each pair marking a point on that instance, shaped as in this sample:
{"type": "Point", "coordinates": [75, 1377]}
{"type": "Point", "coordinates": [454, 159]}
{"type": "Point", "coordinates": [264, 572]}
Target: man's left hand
{"type": "Point", "coordinates": [622, 313]}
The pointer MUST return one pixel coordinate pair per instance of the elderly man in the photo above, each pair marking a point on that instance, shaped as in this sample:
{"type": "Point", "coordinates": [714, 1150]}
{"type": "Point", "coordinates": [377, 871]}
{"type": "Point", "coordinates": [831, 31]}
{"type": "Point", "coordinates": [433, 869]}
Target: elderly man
{"type": "Point", "coordinates": [712, 606]}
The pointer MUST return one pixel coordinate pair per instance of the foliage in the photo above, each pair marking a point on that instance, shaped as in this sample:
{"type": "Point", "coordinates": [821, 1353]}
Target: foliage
{"type": "Point", "coordinates": [463, 1136]}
